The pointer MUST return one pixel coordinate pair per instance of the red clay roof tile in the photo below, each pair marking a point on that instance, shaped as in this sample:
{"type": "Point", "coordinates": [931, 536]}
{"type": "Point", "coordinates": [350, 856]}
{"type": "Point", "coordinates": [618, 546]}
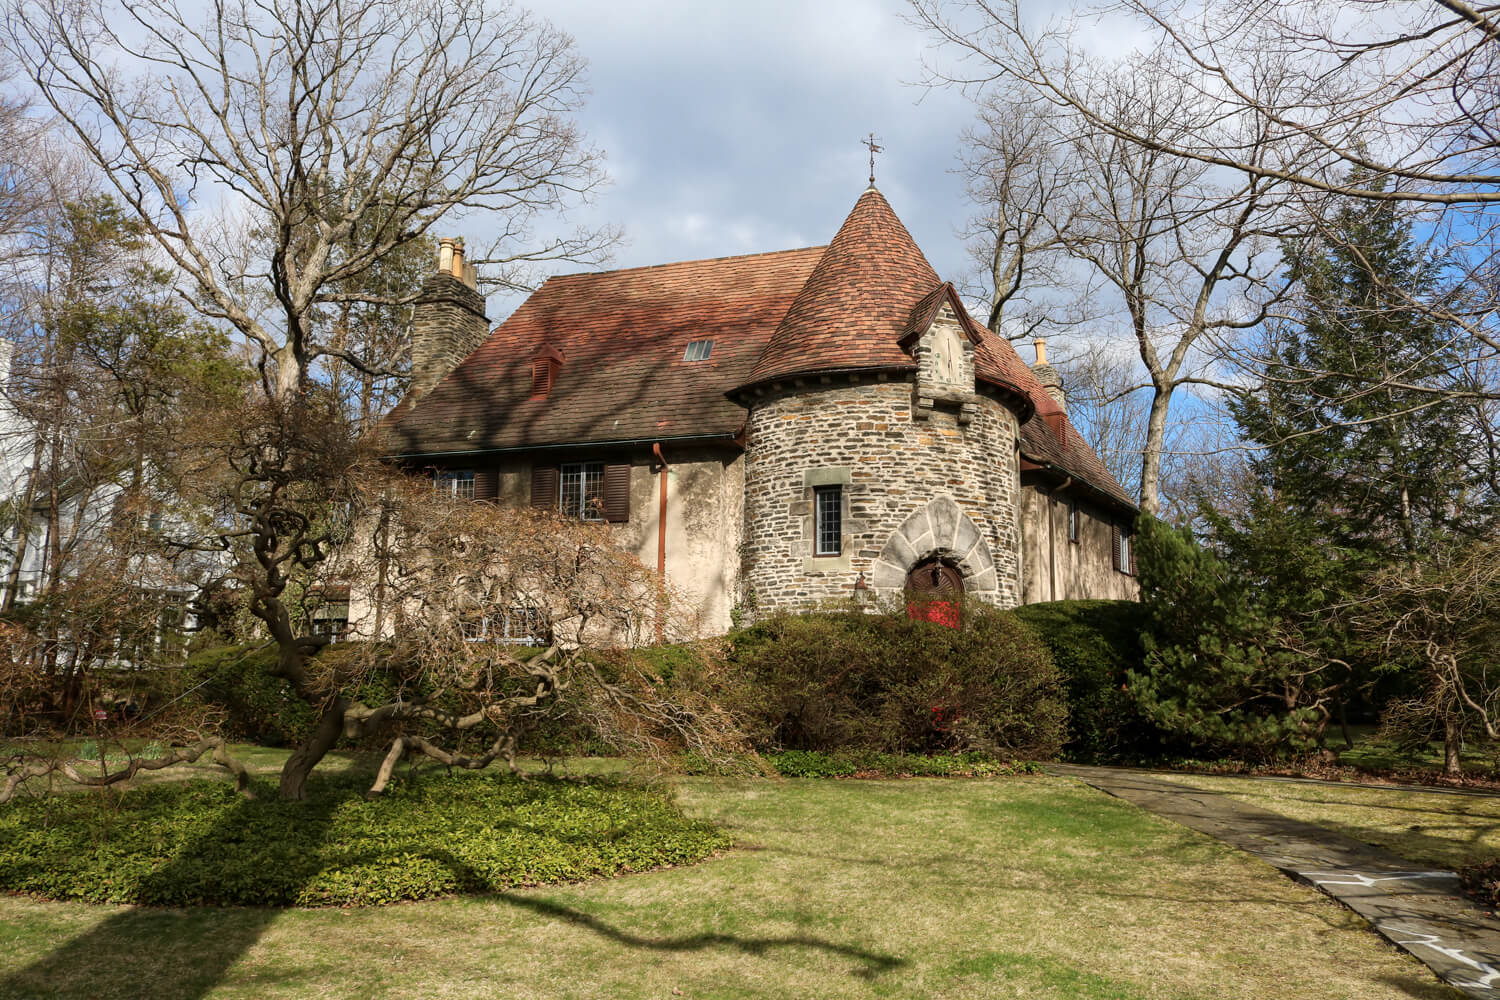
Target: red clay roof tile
{"type": "Point", "coordinates": [622, 334]}
{"type": "Point", "coordinates": [855, 305]}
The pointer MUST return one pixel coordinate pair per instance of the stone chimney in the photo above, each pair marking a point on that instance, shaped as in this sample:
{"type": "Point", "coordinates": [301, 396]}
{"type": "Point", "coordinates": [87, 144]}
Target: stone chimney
{"type": "Point", "coordinates": [448, 320]}
{"type": "Point", "coordinates": [1047, 375]}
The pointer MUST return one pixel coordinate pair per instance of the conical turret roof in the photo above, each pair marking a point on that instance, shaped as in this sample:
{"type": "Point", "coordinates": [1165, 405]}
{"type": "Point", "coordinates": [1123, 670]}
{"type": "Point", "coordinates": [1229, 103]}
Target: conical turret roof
{"type": "Point", "coordinates": [857, 302]}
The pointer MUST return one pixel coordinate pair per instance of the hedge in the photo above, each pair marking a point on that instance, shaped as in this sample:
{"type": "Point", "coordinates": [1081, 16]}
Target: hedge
{"type": "Point", "coordinates": [847, 679]}
{"type": "Point", "coordinates": [1094, 644]}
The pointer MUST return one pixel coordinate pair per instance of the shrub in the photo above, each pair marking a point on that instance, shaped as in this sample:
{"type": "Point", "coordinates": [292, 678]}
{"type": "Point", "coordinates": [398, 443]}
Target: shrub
{"type": "Point", "coordinates": [1095, 644]}
{"type": "Point", "coordinates": [258, 707]}
{"type": "Point", "coordinates": [1223, 670]}
{"type": "Point", "coordinates": [199, 843]}
{"type": "Point", "coordinates": [262, 708]}
{"type": "Point", "coordinates": [884, 682]}
{"type": "Point", "coordinates": [866, 764]}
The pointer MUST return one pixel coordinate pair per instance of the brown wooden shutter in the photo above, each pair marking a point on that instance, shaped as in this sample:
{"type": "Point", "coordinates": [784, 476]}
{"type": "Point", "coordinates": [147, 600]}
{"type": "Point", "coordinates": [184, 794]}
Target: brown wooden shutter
{"type": "Point", "coordinates": [486, 483]}
{"type": "Point", "coordinates": [544, 487]}
{"type": "Point", "coordinates": [617, 493]}
{"type": "Point", "coordinates": [1132, 550]}
{"type": "Point", "coordinates": [1114, 543]}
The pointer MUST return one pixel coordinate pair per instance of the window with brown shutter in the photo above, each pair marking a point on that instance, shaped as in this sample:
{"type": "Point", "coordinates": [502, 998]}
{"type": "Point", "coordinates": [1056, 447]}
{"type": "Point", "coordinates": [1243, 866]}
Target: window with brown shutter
{"type": "Point", "coordinates": [486, 483]}
{"type": "Point", "coordinates": [544, 487]}
{"type": "Point", "coordinates": [617, 492]}
{"type": "Point", "coordinates": [592, 491]}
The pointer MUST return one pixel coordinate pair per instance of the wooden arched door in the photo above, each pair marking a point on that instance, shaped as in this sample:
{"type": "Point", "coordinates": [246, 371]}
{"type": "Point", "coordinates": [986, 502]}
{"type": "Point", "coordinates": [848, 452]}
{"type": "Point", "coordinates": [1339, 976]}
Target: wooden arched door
{"type": "Point", "coordinates": [934, 589]}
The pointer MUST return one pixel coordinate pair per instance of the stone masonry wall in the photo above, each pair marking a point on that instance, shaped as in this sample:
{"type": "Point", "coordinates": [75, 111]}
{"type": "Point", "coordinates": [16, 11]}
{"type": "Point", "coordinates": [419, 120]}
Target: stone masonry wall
{"type": "Point", "coordinates": [863, 435]}
{"type": "Point", "coordinates": [448, 323]}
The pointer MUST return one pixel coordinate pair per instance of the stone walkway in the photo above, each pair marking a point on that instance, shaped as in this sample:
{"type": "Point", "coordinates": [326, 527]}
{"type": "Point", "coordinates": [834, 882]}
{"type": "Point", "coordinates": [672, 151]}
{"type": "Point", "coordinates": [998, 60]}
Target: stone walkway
{"type": "Point", "coordinates": [1423, 912]}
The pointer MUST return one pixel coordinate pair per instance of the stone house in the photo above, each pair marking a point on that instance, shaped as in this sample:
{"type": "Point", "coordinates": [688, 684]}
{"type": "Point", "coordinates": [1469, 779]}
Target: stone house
{"type": "Point", "coordinates": [774, 429]}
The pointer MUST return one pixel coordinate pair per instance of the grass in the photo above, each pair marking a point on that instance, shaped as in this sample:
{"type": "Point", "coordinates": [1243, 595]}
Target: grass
{"type": "Point", "coordinates": [1372, 753]}
{"type": "Point", "coordinates": [1442, 828]}
{"type": "Point", "coordinates": [1025, 887]}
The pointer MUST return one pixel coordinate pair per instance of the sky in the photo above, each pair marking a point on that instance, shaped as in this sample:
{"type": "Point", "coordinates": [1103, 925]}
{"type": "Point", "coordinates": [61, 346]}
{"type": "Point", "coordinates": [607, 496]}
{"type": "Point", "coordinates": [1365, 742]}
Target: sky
{"type": "Point", "coordinates": [734, 128]}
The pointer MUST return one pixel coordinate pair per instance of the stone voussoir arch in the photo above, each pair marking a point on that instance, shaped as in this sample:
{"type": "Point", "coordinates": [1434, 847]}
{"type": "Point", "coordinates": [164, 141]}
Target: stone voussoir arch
{"type": "Point", "coordinates": [938, 529]}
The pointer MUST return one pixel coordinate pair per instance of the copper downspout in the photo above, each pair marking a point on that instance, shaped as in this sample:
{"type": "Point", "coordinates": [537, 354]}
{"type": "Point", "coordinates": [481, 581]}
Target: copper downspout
{"type": "Point", "coordinates": [661, 542]}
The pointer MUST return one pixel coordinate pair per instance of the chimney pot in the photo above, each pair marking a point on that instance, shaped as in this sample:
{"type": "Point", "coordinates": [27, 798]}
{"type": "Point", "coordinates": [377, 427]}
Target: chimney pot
{"type": "Point", "coordinates": [458, 259]}
{"type": "Point", "coordinates": [1041, 351]}
{"type": "Point", "coordinates": [445, 255]}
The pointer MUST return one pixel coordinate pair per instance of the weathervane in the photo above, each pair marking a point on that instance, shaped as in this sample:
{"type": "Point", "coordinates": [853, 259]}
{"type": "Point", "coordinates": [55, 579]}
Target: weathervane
{"type": "Point", "coordinates": [870, 143]}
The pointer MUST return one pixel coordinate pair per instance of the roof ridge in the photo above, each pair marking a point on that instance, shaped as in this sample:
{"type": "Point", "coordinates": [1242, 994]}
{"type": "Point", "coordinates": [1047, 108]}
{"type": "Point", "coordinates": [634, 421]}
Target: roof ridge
{"type": "Point", "coordinates": [691, 260]}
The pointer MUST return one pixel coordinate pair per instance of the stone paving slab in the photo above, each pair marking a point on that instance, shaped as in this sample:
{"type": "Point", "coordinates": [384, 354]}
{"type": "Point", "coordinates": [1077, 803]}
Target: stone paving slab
{"type": "Point", "coordinates": [1421, 911]}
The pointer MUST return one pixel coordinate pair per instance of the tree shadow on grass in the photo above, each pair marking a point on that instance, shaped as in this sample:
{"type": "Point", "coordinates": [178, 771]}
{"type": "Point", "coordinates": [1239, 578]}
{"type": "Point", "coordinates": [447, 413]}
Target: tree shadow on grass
{"type": "Point", "coordinates": [166, 953]}
{"type": "Point", "coordinates": [184, 953]}
{"type": "Point", "coordinates": [872, 964]}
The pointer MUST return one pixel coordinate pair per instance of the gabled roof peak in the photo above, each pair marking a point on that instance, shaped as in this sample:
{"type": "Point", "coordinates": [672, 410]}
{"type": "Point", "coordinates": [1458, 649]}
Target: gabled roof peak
{"type": "Point", "coordinates": [855, 306]}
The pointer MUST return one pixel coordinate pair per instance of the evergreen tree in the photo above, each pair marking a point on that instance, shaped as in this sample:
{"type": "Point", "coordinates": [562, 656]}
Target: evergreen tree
{"type": "Point", "coordinates": [1362, 433]}
{"type": "Point", "coordinates": [1370, 455]}
{"type": "Point", "coordinates": [1222, 670]}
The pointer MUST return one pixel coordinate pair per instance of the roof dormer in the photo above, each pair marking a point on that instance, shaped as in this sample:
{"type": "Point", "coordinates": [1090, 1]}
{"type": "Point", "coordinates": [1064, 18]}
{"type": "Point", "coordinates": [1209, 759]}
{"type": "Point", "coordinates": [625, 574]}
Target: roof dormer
{"type": "Point", "coordinates": [546, 362]}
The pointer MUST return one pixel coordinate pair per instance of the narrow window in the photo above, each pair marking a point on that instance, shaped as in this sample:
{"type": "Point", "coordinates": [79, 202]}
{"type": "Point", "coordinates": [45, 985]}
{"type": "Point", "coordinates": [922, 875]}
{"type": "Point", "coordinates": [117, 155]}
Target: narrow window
{"type": "Point", "coordinates": [456, 483]}
{"type": "Point", "coordinates": [828, 520]}
{"type": "Point", "coordinates": [1122, 548]}
{"type": "Point", "coordinates": [582, 491]}
{"type": "Point", "coordinates": [698, 350]}
{"type": "Point", "coordinates": [1072, 521]}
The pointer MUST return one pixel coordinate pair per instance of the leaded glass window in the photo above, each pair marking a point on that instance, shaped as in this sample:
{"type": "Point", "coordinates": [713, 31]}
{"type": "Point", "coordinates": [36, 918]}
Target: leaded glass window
{"type": "Point", "coordinates": [582, 491]}
{"type": "Point", "coordinates": [828, 520]}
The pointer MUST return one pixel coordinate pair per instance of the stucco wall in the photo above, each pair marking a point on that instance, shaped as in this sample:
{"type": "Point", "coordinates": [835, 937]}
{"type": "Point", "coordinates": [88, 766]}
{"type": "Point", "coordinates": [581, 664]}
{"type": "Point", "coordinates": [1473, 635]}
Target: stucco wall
{"type": "Point", "coordinates": [896, 466]}
{"type": "Point", "coordinates": [705, 490]}
{"type": "Point", "coordinates": [1057, 569]}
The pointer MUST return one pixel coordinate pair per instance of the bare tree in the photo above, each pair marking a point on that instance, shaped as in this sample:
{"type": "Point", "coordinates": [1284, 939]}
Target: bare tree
{"type": "Point", "coordinates": [307, 121]}
{"type": "Point", "coordinates": [280, 154]}
{"type": "Point", "coordinates": [1440, 616]}
{"type": "Point", "coordinates": [1019, 174]}
{"type": "Point", "coordinates": [1175, 257]}
{"type": "Point", "coordinates": [1368, 99]}
{"type": "Point", "coordinates": [1398, 99]}
{"type": "Point", "coordinates": [1108, 401]}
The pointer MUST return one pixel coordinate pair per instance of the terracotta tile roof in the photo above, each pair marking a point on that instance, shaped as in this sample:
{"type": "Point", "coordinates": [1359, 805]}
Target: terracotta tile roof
{"type": "Point", "coordinates": [856, 304]}
{"type": "Point", "coordinates": [622, 335]}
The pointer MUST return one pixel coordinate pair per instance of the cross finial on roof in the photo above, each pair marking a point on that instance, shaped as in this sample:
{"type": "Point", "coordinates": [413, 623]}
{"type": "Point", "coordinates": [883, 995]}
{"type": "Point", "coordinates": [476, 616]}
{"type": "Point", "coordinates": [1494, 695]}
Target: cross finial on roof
{"type": "Point", "coordinates": [870, 143]}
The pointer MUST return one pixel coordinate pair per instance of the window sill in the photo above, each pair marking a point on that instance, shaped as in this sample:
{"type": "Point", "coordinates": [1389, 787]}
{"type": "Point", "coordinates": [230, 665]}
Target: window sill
{"type": "Point", "coordinates": [827, 564]}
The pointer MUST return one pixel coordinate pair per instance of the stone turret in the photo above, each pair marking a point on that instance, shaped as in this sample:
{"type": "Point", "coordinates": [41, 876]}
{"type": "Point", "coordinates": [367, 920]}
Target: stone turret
{"type": "Point", "coordinates": [1047, 375]}
{"type": "Point", "coordinates": [448, 321]}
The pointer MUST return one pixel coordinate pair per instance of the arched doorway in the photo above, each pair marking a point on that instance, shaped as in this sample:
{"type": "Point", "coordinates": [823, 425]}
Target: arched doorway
{"type": "Point", "coordinates": [933, 589]}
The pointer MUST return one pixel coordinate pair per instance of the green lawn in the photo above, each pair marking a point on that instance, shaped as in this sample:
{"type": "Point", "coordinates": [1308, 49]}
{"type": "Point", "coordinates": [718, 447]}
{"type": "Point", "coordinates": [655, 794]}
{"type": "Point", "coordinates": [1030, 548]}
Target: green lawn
{"type": "Point", "coordinates": [1372, 753]}
{"type": "Point", "coordinates": [1435, 827]}
{"type": "Point", "coordinates": [1017, 887]}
